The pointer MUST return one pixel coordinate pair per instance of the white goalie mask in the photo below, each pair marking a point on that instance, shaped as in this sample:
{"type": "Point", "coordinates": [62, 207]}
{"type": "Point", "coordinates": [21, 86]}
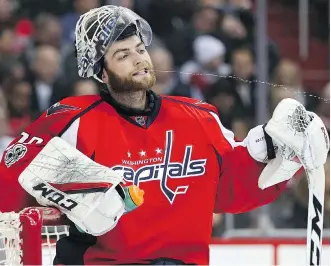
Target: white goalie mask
{"type": "Point", "coordinates": [97, 29]}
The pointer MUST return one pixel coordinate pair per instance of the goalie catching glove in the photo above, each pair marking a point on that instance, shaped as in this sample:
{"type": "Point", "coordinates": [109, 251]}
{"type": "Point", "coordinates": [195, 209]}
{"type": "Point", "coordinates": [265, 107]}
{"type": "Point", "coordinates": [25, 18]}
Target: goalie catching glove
{"type": "Point", "coordinates": [291, 139]}
{"type": "Point", "coordinates": [292, 125]}
{"type": "Point", "coordinates": [89, 194]}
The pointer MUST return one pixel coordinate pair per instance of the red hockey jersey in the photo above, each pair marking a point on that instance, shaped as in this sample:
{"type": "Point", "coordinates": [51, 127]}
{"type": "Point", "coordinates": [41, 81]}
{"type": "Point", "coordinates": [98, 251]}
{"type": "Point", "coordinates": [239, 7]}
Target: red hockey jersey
{"type": "Point", "coordinates": [178, 152]}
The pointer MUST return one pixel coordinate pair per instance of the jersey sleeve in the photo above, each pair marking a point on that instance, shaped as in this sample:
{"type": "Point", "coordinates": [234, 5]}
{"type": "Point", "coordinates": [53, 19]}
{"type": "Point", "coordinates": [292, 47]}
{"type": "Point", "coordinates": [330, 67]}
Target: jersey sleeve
{"type": "Point", "coordinates": [25, 148]}
{"type": "Point", "coordinates": [237, 189]}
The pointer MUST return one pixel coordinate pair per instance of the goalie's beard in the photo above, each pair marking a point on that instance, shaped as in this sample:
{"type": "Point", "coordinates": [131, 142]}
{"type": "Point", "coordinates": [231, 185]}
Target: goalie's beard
{"type": "Point", "coordinates": [128, 84]}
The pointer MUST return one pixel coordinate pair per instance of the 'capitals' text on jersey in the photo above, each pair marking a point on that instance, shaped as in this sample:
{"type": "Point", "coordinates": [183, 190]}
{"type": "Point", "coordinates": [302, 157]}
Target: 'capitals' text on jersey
{"type": "Point", "coordinates": [166, 169]}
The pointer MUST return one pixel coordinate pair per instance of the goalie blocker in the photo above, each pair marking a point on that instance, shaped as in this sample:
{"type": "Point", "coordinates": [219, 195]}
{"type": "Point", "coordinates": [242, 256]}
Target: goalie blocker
{"type": "Point", "coordinates": [88, 193]}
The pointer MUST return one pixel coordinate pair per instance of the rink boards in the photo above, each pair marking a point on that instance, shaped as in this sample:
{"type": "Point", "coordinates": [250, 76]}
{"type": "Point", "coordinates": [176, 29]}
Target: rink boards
{"type": "Point", "coordinates": [244, 252]}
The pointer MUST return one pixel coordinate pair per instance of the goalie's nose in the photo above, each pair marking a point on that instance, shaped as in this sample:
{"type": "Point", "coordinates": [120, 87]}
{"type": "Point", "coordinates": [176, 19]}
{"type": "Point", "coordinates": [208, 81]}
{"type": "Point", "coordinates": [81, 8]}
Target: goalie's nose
{"type": "Point", "coordinates": [134, 197]}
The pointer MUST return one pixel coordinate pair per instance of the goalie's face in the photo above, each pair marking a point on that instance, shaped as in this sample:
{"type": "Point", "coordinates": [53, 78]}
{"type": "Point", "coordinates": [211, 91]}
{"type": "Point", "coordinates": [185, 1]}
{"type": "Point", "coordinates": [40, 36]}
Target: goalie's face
{"type": "Point", "coordinates": [128, 66]}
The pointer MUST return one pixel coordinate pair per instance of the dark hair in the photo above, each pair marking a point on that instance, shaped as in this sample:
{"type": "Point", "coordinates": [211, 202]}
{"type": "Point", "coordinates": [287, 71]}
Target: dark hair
{"type": "Point", "coordinates": [244, 48]}
{"type": "Point", "coordinates": [5, 27]}
{"type": "Point", "coordinates": [43, 19]}
{"type": "Point", "coordinates": [222, 85]}
{"type": "Point", "coordinates": [200, 8]}
{"type": "Point", "coordinates": [11, 83]}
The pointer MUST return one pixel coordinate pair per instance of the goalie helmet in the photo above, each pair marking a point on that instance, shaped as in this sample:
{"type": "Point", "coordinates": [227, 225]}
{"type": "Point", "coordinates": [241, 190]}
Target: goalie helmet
{"type": "Point", "coordinates": [97, 29]}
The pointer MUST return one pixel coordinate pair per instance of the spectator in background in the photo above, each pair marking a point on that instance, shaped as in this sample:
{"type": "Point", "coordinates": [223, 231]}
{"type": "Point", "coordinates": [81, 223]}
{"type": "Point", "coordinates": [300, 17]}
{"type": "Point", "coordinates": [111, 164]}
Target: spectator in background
{"type": "Point", "coordinates": [323, 108]}
{"type": "Point", "coordinates": [240, 127]}
{"type": "Point", "coordinates": [9, 63]}
{"type": "Point", "coordinates": [163, 65]}
{"type": "Point", "coordinates": [237, 26]}
{"type": "Point", "coordinates": [243, 67]}
{"type": "Point", "coordinates": [233, 28]}
{"type": "Point", "coordinates": [85, 87]}
{"type": "Point", "coordinates": [6, 11]}
{"type": "Point", "coordinates": [5, 139]}
{"type": "Point", "coordinates": [167, 16]}
{"type": "Point", "coordinates": [18, 71]}
{"type": "Point", "coordinates": [288, 74]}
{"type": "Point", "coordinates": [46, 87]}
{"type": "Point", "coordinates": [277, 94]}
{"type": "Point", "coordinates": [205, 21]}
{"type": "Point", "coordinates": [8, 54]}
{"type": "Point", "coordinates": [19, 105]}
{"type": "Point", "coordinates": [237, 29]}
{"type": "Point", "coordinates": [208, 60]}
{"type": "Point", "coordinates": [167, 80]}
{"type": "Point", "coordinates": [68, 21]}
{"type": "Point", "coordinates": [47, 31]}
{"type": "Point", "coordinates": [227, 101]}
{"type": "Point", "coordinates": [20, 25]}
{"type": "Point", "coordinates": [7, 42]}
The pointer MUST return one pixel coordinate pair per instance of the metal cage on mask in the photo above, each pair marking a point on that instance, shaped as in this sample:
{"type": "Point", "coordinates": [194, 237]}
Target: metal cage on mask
{"type": "Point", "coordinates": [97, 29]}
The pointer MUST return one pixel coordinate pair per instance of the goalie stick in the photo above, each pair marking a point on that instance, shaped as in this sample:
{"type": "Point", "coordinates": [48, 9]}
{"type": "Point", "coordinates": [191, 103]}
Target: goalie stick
{"type": "Point", "coordinates": [316, 186]}
{"type": "Point", "coordinates": [304, 133]}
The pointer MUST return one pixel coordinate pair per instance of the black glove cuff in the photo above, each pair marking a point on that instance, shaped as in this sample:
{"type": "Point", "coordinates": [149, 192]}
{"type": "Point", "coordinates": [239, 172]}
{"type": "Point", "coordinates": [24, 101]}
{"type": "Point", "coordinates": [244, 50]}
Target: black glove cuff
{"type": "Point", "coordinates": [270, 146]}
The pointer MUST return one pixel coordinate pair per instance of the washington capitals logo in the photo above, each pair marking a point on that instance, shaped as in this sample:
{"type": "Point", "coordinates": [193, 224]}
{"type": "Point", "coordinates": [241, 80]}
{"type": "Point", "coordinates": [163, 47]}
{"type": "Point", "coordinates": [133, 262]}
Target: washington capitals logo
{"type": "Point", "coordinates": [60, 108]}
{"type": "Point", "coordinates": [165, 169]}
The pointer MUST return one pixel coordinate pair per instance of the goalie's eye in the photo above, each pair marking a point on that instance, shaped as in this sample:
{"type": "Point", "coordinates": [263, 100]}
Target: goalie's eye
{"type": "Point", "coordinates": [141, 51]}
{"type": "Point", "coordinates": [123, 57]}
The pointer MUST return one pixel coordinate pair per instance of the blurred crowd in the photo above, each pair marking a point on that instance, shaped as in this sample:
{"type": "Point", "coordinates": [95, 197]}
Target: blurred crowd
{"type": "Point", "coordinates": [201, 48]}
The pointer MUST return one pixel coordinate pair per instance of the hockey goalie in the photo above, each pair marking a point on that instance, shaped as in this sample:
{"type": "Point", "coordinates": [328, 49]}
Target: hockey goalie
{"type": "Point", "coordinates": [140, 175]}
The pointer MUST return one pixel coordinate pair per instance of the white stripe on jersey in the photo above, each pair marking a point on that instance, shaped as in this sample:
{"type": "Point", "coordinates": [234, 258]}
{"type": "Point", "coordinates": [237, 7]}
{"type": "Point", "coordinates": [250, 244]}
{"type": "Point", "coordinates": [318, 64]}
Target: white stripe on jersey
{"type": "Point", "coordinates": [71, 134]}
{"type": "Point", "coordinates": [228, 134]}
